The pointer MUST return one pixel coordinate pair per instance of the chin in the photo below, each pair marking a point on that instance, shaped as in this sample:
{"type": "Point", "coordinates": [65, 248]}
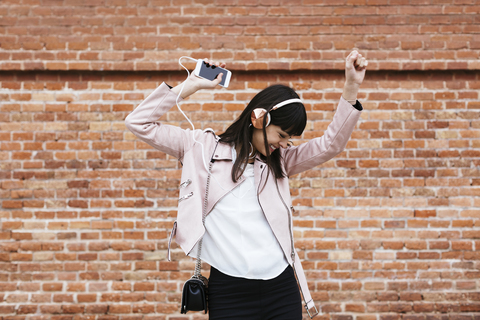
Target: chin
{"type": "Point", "coordinates": [271, 153]}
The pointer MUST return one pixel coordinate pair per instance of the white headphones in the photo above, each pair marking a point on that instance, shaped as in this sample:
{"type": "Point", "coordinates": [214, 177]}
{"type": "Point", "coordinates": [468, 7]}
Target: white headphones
{"type": "Point", "coordinates": [259, 113]}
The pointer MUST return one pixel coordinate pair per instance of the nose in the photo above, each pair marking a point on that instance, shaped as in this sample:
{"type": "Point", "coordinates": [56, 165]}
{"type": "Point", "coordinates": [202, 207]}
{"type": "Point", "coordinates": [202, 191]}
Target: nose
{"type": "Point", "coordinates": [284, 144]}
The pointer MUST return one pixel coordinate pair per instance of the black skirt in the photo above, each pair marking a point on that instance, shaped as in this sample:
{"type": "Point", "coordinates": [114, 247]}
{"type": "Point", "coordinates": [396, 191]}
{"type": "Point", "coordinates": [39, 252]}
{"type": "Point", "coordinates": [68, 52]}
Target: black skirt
{"type": "Point", "coordinates": [235, 298]}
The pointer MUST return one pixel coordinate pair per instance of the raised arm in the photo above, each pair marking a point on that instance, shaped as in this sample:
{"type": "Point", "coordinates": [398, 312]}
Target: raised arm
{"type": "Point", "coordinates": [319, 150]}
{"type": "Point", "coordinates": [355, 67]}
{"type": "Point", "coordinates": [143, 121]}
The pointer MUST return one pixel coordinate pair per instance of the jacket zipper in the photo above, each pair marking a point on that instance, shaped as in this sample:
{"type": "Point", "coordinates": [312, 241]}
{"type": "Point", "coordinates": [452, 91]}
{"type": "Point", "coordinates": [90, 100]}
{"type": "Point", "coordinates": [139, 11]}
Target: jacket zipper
{"type": "Point", "coordinates": [292, 254]}
{"type": "Point", "coordinates": [172, 234]}
{"type": "Point", "coordinates": [288, 214]}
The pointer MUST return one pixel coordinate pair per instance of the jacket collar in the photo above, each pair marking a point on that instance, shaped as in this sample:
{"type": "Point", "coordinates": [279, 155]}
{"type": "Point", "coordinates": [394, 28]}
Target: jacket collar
{"type": "Point", "coordinates": [223, 152]}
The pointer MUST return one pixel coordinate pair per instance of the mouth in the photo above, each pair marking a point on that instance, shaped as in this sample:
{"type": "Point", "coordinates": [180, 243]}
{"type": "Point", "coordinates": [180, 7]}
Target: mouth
{"type": "Point", "coordinates": [272, 148]}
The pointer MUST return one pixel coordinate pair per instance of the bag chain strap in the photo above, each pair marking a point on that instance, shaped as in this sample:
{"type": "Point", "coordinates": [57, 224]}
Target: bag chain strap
{"type": "Point", "coordinates": [198, 266]}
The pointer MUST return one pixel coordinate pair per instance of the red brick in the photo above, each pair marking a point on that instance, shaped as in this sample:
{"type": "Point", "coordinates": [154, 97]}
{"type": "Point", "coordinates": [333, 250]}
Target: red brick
{"type": "Point", "coordinates": [415, 149]}
{"type": "Point", "coordinates": [52, 286]}
{"type": "Point", "coordinates": [86, 298]}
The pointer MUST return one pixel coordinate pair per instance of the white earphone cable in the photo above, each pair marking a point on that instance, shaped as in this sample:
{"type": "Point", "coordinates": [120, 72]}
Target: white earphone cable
{"type": "Point", "coordinates": [193, 127]}
{"type": "Point", "coordinates": [181, 89]}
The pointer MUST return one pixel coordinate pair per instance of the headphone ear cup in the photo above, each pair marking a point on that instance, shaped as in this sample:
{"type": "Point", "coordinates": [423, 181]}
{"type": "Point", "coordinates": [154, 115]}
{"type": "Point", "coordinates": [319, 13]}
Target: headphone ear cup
{"type": "Point", "coordinates": [257, 118]}
{"type": "Point", "coordinates": [268, 119]}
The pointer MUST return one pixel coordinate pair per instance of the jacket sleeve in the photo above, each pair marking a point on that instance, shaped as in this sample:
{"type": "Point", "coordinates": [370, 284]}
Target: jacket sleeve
{"type": "Point", "coordinates": [143, 122]}
{"type": "Point", "coordinates": [319, 150]}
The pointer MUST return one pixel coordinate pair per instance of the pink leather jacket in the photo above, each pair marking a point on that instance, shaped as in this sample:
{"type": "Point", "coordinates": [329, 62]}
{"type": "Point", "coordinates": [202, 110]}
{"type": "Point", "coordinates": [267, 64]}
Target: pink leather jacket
{"type": "Point", "coordinates": [274, 198]}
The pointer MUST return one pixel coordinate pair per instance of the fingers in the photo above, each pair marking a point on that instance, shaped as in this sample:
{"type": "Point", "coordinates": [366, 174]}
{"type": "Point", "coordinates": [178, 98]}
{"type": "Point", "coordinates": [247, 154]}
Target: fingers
{"type": "Point", "coordinates": [360, 62]}
{"type": "Point", "coordinates": [218, 79]}
{"type": "Point", "coordinates": [215, 63]}
{"type": "Point", "coordinates": [357, 60]}
{"type": "Point", "coordinates": [352, 56]}
{"type": "Point", "coordinates": [213, 83]}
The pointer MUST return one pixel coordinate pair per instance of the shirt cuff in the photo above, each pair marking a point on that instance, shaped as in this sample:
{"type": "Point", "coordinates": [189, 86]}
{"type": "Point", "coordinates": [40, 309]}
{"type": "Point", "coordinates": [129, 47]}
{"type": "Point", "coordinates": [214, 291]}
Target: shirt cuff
{"type": "Point", "coordinates": [358, 106]}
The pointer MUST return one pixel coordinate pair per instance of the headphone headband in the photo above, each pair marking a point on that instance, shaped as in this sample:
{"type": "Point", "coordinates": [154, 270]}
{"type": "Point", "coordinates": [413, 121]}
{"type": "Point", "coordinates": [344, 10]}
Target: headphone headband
{"type": "Point", "coordinates": [259, 113]}
{"type": "Point", "coordinates": [281, 104]}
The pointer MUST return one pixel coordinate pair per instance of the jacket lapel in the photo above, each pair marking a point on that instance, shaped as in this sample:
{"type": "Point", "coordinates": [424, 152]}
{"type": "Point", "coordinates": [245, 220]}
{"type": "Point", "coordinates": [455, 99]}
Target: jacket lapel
{"type": "Point", "coordinates": [220, 184]}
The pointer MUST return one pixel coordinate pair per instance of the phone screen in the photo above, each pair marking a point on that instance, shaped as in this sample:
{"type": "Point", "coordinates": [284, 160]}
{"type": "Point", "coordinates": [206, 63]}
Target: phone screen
{"type": "Point", "coordinates": [211, 72]}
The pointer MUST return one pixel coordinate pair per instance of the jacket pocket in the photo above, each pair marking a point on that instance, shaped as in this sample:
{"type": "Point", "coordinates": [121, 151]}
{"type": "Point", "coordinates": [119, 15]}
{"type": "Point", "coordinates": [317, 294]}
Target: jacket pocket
{"type": "Point", "coordinates": [185, 197]}
{"type": "Point", "coordinates": [185, 184]}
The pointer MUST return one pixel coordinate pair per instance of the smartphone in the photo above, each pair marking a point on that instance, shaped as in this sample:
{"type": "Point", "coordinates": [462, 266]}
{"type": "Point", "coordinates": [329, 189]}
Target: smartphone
{"type": "Point", "coordinates": [210, 72]}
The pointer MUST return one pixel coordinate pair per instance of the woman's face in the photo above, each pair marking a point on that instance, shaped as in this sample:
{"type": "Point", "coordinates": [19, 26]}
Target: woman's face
{"type": "Point", "coordinates": [276, 138]}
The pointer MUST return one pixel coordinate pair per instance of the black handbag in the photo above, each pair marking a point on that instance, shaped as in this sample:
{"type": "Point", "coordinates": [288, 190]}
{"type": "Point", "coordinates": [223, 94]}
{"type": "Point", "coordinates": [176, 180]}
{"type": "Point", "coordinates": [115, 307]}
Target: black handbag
{"type": "Point", "coordinates": [195, 290]}
{"type": "Point", "coordinates": [195, 295]}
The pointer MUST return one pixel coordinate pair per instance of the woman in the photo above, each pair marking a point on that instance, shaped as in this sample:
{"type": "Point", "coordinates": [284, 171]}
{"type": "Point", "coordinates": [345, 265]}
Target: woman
{"type": "Point", "coordinates": [247, 235]}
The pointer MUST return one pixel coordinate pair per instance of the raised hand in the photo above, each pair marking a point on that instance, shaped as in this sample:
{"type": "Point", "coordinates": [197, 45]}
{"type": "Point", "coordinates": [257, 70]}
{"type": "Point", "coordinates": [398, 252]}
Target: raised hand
{"type": "Point", "coordinates": [207, 84]}
{"type": "Point", "coordinates": [355, 67]}
{"type": "Point", "coordinates": [194, 83]}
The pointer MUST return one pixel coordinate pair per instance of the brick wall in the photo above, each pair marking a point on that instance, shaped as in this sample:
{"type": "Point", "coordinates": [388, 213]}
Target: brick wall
{"type": "Point", "coordinates": [388, 230]}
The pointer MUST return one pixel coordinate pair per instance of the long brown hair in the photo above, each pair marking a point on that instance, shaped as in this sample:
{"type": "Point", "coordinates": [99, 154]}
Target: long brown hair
{"type": "Point", "coordinates": [291, 118]}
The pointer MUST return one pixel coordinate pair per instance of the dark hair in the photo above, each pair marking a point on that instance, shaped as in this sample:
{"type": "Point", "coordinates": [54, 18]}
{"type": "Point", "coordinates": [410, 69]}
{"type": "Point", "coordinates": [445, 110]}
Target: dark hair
{"type": "Point", "coordinates": [291, 118]}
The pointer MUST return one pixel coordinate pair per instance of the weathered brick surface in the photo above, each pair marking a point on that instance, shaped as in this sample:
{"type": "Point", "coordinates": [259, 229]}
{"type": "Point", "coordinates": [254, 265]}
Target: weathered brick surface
{"type": "Point", "coordinates": [389, 229]}
{"type": "Point", "coordinates": [254, 34]}
{"type": "Point", "coordinates": [390, 226]}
